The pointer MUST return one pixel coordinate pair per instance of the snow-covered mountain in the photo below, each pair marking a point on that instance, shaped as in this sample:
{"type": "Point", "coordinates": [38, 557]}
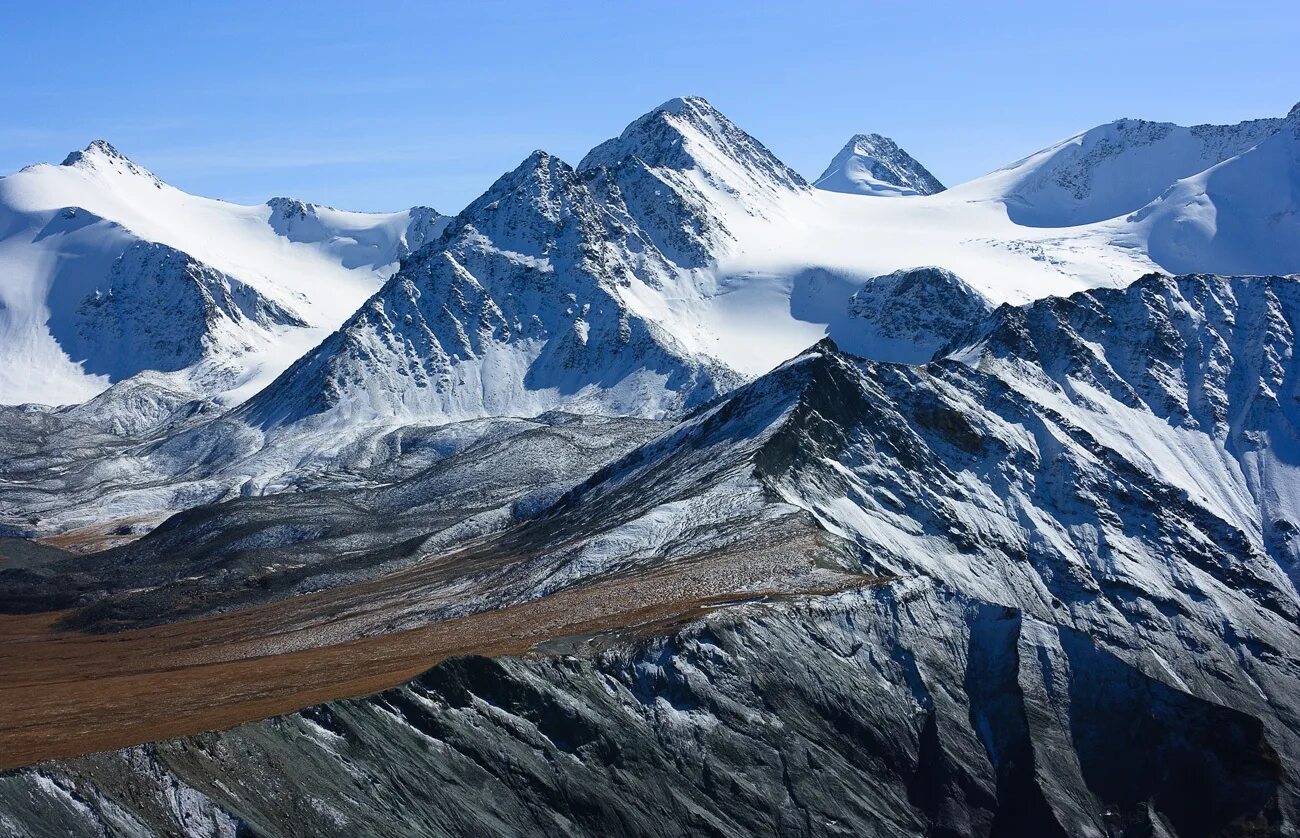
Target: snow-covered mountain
{"type": "Point", "coordinates": [656, 260]}
{"type": "Point", "coordinates": [518, 310]}
{"type": "Point", "coordinates": [870, 164]}
{"type": "Point", "coordinates": [76, 258]}
{"type": "Point", "coordinates": [678, 260]}
{"type": "Point", "coordinates": [1110, 170]}
{"type": "Point", "coordinates": [553, 288]}
{"type": "Point", "coordinates": [713, 172]}
{"type": "Point", "coordinates": [1079, 529]}
{"type": "Point", "coordinates": [1242, 215]}
{"type": "Point", "coordinates": [721, 239]}
{"type": "Point", "coordinates": [908, 315]}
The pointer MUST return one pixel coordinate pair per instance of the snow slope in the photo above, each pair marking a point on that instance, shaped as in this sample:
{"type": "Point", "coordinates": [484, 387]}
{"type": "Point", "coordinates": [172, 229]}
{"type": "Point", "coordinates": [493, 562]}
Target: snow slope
{"type": "Point", "coordinates": [700, 234]}
{"type": "Point", "coordinates": [870, 164]}
{"type": "Point", "coordinates": [1110, 170]}
{"type": "Point", "coordinates": [681, 254]}
{"type": "Point", "coordinates": [64, 228]}
{"type": "Point", "coordinates": [1242, 215]}
{"type": "Point", "coordinates": [515, 313]}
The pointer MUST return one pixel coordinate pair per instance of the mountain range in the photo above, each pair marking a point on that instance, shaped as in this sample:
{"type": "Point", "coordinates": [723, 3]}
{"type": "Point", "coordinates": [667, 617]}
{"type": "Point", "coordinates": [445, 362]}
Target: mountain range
{"type": "Point", "coordinates": [717, 231]}
{"type": "Point", "coordinates": [82, 255]}
{"type": "Point", "coordinates": [667, 492]}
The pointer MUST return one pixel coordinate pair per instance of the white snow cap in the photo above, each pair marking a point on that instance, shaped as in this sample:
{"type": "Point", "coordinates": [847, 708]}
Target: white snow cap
{"type": "Point", "coordinates": [101, 155]}
{"type": "Point", "coordinates": [871, 164]}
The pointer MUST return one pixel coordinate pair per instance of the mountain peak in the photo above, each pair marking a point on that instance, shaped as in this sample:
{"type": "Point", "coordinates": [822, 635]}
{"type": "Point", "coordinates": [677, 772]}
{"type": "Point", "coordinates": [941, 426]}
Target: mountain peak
{"type": "Point", "coordinates": [540, 158]}
{"type": "Point", "coordinates": [1292, 117]}
{"type": "Point", "coordinates": [103, 147]}
{"type": "Point", "coordinates": [910, 314]}
{"type": "Point", "coordinates": [682, 105]}
{"type": "Point", "coordinates": [873, 164]}
{"type": "Point", "coordinates": [688, 133]}
{"type": "Point", "coordinates": [541, 169]}
{"type": "Point", "coordinates": [100, 155]}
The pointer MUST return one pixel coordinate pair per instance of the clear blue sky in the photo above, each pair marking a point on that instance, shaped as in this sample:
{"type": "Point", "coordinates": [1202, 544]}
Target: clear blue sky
{"type": "Point", "coordinates": [403, 104]}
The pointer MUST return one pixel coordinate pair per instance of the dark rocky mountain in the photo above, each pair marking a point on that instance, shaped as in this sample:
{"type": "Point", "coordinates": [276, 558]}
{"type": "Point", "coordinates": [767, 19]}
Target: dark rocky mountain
{"type": "Point", "coordinates": [1079, 572]}
{"type": "Point", "coordinates": [117, 330]}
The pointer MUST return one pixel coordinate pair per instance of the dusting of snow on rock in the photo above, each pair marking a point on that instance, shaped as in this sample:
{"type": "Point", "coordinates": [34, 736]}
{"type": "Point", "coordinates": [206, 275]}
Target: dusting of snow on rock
{"type": "Point", "coordinates": [116, 329]}
{"type": "Point", "coordinates": [908, 315]}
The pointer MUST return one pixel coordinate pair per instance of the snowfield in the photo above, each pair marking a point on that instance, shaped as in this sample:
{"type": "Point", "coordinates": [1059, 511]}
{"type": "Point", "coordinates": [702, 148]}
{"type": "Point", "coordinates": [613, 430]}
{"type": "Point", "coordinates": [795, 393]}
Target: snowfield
{"type": "Point", "coordinates": [62, 228]}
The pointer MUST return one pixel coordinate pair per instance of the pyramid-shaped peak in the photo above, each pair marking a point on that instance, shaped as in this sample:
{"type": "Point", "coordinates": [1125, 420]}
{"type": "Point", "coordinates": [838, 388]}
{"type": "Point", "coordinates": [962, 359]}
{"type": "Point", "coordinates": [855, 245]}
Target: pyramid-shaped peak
{"type": "Point", "coordinates": [100, 155]}
{"type": "Point", "coordinates": [96, 148]}
{"type": "Point", "coordinates": [540, 166]}
{"type": "Point", "coordinates": [688, 133]}
{"type": "Point", "coordinates": [541, 186]}
{"type": "Point", "coordinates": [688, 106]}
{"type": "Point", "coordinates": [869, 141]}
{"type": "Point", "coordinates": [539, 171]}
{"type": "Point", "coordinates": [873, 164]}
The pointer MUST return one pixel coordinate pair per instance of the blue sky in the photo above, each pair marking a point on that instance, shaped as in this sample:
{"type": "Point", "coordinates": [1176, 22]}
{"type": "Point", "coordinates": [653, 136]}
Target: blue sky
{"type": "Point", "coordinates": [428, 103]}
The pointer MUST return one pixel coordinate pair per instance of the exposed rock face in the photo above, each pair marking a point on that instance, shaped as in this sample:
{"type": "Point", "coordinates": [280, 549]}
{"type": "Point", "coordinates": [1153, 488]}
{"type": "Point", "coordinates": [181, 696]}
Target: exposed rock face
{"type": "Point", "coordinates": [516, 311]}
{"type": "Point", "coordinates": [160, 309]}
{"type": "Point", "coordinates": [870, 164]}
{"type": "Point", "coordinates": [1084, 503]}
{"type": "Point", "coordinates": [908, 315]}
{"type": "Point", "coordinates": [901, 711]}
